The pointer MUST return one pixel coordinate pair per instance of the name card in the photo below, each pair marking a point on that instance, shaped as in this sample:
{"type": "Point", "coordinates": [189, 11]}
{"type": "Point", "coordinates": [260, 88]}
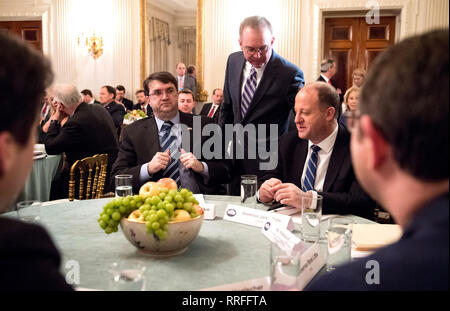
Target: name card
{"type": "Point", "coordinates": [311, 262]}
{"type": "Point", "coordinates": [261, 284]}
{"type": "Point", "coordinates": [210, 211]}
{"type": "Point", "coordinates": [283, 238]}
{"type": "Point", "coordinates": [255, 217]}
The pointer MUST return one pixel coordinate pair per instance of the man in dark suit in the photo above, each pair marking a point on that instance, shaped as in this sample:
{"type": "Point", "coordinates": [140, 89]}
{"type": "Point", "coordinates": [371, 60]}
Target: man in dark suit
{"type": "Point", "coordinates": [143, 103]}
{"type": "Point", "coordinates": [328, 69]}
{"type": "Point", "coordinates": [153, 148]}
{"type": "Point", "coordinates": [29, 259]}
{"type": "Point", "coordinates": [317, 127]}
{"type": "Point", "coordinates": [88, 98]}
{"type": "Point", "coordinates": [185, 81]}
{"type": "Point", "coordinates": [89, 131]}
{"type": "Point", "coordinates": [120, 98]}
{"type": "Point", "coordinates": [399, 150]}
{"type": "Point", "coordinates": [260, 87]}
{"type": "Point", "coordinates": [211, 110]}
{"type": "Point", "coordinates": [116, 111]}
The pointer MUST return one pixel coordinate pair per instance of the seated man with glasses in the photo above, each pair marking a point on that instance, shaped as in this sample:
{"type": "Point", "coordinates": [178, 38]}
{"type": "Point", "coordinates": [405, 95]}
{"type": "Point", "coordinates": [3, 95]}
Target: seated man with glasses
{"type": "Point", "coordinates": [316, 157]}
{"type": "Point", "coordinates": [154, 147]}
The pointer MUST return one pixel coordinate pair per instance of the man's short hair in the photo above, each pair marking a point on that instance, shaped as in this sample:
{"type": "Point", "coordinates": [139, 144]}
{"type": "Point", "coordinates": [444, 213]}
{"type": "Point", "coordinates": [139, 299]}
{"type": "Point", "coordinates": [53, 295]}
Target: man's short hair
{"type": "Point", "coordinates": [87, 92]}
{"type": "Point", "coordinates": [326, 64]}
{"type": "Point", "coordinates": [162, 76]}
{"type": "Point", "coordinates": [190, 69]}
{"type": "Point", "coordinates": [254, 22]}
{"type": "Point", "coordinates": [67, 94]}
{"type": "Point", "coordinates": [186, 91]}
{"type": "Point", "coordinates": [214, 91]}
{"type": "Point", "coordinates": [110, 90]}
{"type": "Point", "coordinates": [24, 76]}
{"type": "Point", "coordinates": [328, 97]}
{"type": "Point", "coordinates": [120, 88]}
{"type": "Point", "coordinates": [406, 96]}
{"type": "Point", "coordinates": [139, 91]}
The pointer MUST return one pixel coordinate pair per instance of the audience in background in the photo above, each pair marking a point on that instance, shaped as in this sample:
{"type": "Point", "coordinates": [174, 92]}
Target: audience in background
{"type": "Point", "coordinates": [328, 69]}
{"type": "Point", "coordinates": [117, 112]}
{"type": "Point", "coordinates": [186, 101]}
{"type": "Point", "coordinates": [351, 102]}
{"type": "Point", "coordinates": [143, 103]}
{"type": "Point", "coordinates": [211, 110]}
{"type": "Point", "coordinates": [88, 98]}
{"type": "Point", "coordinates": [184, 80]}
{"type": "Point", "coordinates": [358, 77]}
{"type": "Point", "coordinates": [120, 98]}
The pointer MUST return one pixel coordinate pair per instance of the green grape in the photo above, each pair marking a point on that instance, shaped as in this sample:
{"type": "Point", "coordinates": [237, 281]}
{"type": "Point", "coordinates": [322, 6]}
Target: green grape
{"type": "Point", "coordinates": [148, 225]}
{"type": "Point", "coordinates": [148, 201]}
{"type": "Point", "coordinates": [126, 202]}
{"type": "Point", "coordinates": [115, 229]}
{"type": "Point", "coordinates": [179, 205]}
{"type": "Point", "coordinates": [184, 192]}
{"type": "Point", "coordinates": [163, 190]}
{"type": "Point", "coordinates": [133, 204]}
{"type": "Point", "coordinates": [162, 235]}
{"type": "Point", "coordinates": [122, 209]}
{"type": "Point", "coordinates": [168, 198]}
{"type": "Point", "coordinates": [147, 218]}
{"type": "Point", "coordinates": [164, 227]}
{"type": "Point", "coordinates": [155, 200]}
{"type": "Point", "coordinates": [115, 216]}
{"type": "Point", "coordinates": [191, 199]}
{"type": "Point", "coordinates": [161, 213]}
{"type": "Point", "coordinates": [109, 230]}
{"type": "Point", "coordinates": [173, 192]}
{"type": "Point", "coordinates": [193, 214]}
{"type": "Point", "coordinates": [154, 208]}
{"type": "Point", "coordinates": [187, 206]}
{"type": "Point", "coordinates": [113, 223]}
{"type": "Point", "coordinates": [144, 208]}
{"type": "Point", "coordinates": [153, 217]}
{"type": "Point", "coordinates": [139, 200]}
{"type": "Point", "coordinates": [169, 207]}
{"type": "Point", "coordinates": [103, 224]}
{"type": "Point", "coordinates": [161, 205]}
{"type": "Point", "coordinates": [146, 213]}
{"type": "Point", "coordinates": [155, 225]}
{"type": "Point", "coordinates": [105, 218]}
{"type": "Point", "coordinates": [162, 222]}
{"type": "Point", "coordinates": [162, 195]}
{"type": "Point", "coordinates": [178, 198]}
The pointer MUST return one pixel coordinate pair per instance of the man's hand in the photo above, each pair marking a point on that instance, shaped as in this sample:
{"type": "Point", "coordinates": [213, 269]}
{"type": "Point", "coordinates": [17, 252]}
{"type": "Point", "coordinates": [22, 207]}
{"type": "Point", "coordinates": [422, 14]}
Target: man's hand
{"type": "Point", "coordinates": [266, 193]}
{"type": "Point", "coordinates": [159, 162]}
{"type": "Point", "coordinates": [189, 161]}
{"type": "Point", "coordinates": [288, 194]}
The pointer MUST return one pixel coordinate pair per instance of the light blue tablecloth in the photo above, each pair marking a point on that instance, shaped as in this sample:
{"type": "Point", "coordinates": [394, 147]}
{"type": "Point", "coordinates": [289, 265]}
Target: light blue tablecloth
{"type": "Point", "coordinates": [224, 252]}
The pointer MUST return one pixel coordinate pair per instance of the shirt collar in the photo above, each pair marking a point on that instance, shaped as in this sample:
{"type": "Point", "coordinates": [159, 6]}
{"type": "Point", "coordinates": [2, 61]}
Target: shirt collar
{"type": "Point", "coordinates": [175, 120]}
{"type": "Point", "coordinates": [259, 70]}
{"type": "Point", "coordinates": [328, 143]}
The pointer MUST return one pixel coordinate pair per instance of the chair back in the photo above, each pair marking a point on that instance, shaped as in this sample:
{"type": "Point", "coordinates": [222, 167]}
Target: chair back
{"type": "Point", "coordinates": [90, 174]}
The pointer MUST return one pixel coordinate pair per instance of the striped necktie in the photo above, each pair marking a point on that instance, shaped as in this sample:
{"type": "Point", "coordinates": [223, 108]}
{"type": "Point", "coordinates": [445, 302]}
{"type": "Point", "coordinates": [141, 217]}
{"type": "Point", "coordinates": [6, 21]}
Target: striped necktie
{"type": "Point", "coordinates": [168, 142]}
{"type": "Point", "coordinates": [310, 176]}
{"type": "Point", "coordinates": [249, 91]}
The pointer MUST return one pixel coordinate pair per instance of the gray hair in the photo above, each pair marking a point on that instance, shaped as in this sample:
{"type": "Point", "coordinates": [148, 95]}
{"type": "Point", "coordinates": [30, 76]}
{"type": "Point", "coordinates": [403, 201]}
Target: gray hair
{"type": "Point", "coordinates": [67, 94]}
{"type": "Point", "coordinates": [326, 64]}
{"type": "Point", "coordinates": [254, 22]}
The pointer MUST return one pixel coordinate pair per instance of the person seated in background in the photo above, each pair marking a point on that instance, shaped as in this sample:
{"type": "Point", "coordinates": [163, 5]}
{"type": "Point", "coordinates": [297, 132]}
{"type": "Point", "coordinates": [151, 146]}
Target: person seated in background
{"type": "Point", "coordinates": [116, 111]}
{"type": "Point", "coordinates": [350, 103]}
{"type": "Point", "coordinates": [358, 77]}
{"type": "Point", "coordinates": [185, 81]}
{"type": "Point", "coordinates": [53, 108]}
{"type": "Point", "coordinates": [29, 259]}
{"type": "Point", "coordinates": [399, 150]}
{"type": "Point", "coordinates": [88, 98]}
{"type": "Point", "coordinates": [120, 98]}
{"type": "Point", "coordinates": [142, 103]}
{"type": "Point", "coordinates": [89, 131]}
{"type": "Point", "coordinates": [211, 110]}
{"type": "Point", "coordinates": [316, 157]}
{"type": "Point", "coordinates": [44, 115]}
{"type": "Point", "coordinates": [152, 148]}
{"type": "Point", "coordinates": [186, 101]}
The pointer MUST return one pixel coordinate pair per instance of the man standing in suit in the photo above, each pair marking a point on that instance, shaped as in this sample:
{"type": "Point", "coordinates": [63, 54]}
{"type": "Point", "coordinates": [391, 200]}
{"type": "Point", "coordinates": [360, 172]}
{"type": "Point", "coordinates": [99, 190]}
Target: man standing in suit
{"type": "Point", "coordinates": [185, 81]}
{"type": "Point", "coordinates": [120, 98]}
{"type": "Point", "coordinates": [211, 110]}
{"type": "Point", "coordinates": [143, 103]}
{"type": "Point", "coordinates": [260, 87]}
{"type": "Point", "coordinates": [399, 150]}
{"type": "Point", "coordinates": [328, 70]}
{"type": "Point", "coordinates": [29, 260]}
{"type": "Point", "coordinates": [88, 98]}
{"type": "Point", "coordinates": [88, 131]}
{"type": "Point", "coordinates": [116, 111]}
{"type": "Point", "coordinates": [152, 148]}
{"type": "Point", "coordinates": [316, 157]}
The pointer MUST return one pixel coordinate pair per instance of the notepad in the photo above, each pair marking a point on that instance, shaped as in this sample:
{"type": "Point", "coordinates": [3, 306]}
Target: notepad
{"type": "Point", "coordinates": [373, 236]}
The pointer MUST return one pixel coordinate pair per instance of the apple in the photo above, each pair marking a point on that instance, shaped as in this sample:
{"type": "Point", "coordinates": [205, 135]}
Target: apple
{"type": "Point", "coordinates": [198, 209]}
{"type": "Point", "coordinates": [136, 216]}
{"type": "Point", "coordinates": [180, 215]}
{"type": "Point", "coordinates": [149, 189]}
{"type": "Point", "coordinates": [168, 183]}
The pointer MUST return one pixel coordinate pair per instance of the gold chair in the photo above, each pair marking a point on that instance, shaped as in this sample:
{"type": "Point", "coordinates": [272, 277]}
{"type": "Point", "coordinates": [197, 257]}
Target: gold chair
{"type": "Point", "coordinates": [90, 169]}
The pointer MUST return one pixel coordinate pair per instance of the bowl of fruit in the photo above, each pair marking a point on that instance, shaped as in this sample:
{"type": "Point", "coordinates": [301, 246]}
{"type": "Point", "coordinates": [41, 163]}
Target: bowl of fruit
{"type": "Point", "coordinates": [161, 221]}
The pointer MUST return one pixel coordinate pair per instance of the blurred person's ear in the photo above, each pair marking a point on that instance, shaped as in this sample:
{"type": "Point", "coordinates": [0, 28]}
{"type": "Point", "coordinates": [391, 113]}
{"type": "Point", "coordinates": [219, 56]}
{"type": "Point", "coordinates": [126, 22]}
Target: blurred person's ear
{"type": "Point", "coordinates": [8, 148]}
{"type": "Point", "coordinates": [378, 148]}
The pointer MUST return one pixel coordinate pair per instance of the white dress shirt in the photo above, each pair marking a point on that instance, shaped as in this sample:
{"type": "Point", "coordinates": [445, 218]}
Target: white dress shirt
{"type": "Point", "coordinates": [325, 78]}
{"type": "Point", "coordinates": [246, 74]}
{"type": "Point", "coordinates": [323, 159]}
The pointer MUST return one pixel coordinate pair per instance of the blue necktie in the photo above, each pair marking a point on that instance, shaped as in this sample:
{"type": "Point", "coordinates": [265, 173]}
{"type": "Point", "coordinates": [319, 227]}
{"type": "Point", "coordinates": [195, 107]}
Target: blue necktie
{"type": "Point", "coordinates": [310, 176]}
{"type": "Point", "coordinates": [249, 91]}
{"type": "Point", "coordinates": [168, 142]}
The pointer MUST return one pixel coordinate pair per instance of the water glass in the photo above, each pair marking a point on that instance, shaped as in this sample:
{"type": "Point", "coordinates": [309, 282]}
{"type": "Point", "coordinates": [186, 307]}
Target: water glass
{"type": "Point", "coordinates": [127, 276]}
{"type": "Point", "coordinates": [284, 269]}
{"type": "Point", "coordinates": [29, 211]}
{"type": "Point", "coordinates": [311, 215]}
{"type": "Point", "coordinates": [249, 186]}
{"type": "Point", "coordinates": [124, 186]}
{"type": "Point", "coordinates": [339, 237]}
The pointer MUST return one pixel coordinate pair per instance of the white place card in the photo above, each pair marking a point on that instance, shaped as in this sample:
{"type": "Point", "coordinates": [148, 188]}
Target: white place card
{"type": "Point", "coordinates": [255, 217]}
{"type": "Point", "coordinates": [283, 238]}
{"type": "Point", "coordinates": [210, 211]}
{"type": "Point", "coordinates": [262, 284]}
{"type": "Point", "coordinates": [311, 262]}
{"type": "Point", "coordinates": [201, 200]}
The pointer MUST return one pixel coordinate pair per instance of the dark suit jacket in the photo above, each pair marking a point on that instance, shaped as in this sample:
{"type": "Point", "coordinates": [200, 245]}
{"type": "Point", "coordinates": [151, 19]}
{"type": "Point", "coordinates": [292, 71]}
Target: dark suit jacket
{"type": "Point", "coordinates": [89, 131]}
{"type": "Point", "coordinates": [116, 112]}
{"type": "Point", "coordinates": [205, 110]}
{"type": "Point", "coordinates": [190, 83]}
{"type": "Point", "coordinates": [149, 109]}
{"type": "Point", "coordinates": [140, 142]}
{"type": "Point", "coordinates": [418, 261]}
{"type": "Point", "coordinates": [333, 83]}
{"type": "Point", "coordinates": [28, 258]}
{"type": "Point", "coordinates": [341, 193]}
{"type": "Point", "coordinates": [127, 103]}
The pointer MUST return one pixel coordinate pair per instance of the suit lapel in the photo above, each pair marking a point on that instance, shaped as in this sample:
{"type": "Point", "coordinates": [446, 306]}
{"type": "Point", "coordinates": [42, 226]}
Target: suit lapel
{"type": "Point", "coordinates": [340, 151]}
{"type": "Point", "coordinates": [151, 130]}
{"type": "Point", "coordinates": [301, 150]}
{"type": "Point", "coordinates": [236, 86]}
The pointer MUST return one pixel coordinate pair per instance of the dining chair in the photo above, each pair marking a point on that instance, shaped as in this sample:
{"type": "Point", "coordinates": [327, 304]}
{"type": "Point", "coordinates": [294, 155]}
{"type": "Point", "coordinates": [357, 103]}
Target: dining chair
{"type": "Point", "coordinates": [90, 175]}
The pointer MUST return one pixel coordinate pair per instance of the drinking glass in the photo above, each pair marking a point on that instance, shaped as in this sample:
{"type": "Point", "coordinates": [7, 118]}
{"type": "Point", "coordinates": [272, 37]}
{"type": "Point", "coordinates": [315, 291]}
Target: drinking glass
{"type": "Point", "coordinates": [311, 214]}
{"type": "Point", "coordinates": [339, 237]}
{"type": "Point", "coordinates": [124, 186]}
{"type": "Point", "coordinates": [29, 211]}
{"type": "Point", "coordinates": [284, 269]}
{"type": "Point", "coordinates": [127, 276]}
{"type": "Point", "coordinates": [249, 185]}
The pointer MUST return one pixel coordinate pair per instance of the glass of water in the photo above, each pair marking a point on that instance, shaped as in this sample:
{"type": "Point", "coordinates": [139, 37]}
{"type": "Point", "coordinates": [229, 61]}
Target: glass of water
{"type": "Point", "coordinates": [249, 185]}
{"type": "Point", "coordinates": [127, 276]}
{"type": "Point", "coordinates": [29, 211]}
{"type": "Point", "coordinates": [124, 186]}
{"type": "Point", "coordinates": [339, 238]}
{"type": "Point", "coordinates": [284, 269]}
{"type": "Point", "coordinates": [311, 215]}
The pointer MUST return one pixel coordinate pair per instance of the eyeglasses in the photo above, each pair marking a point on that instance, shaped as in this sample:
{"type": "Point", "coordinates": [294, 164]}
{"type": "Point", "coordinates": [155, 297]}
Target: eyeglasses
{"type": "Point", "coordinates": [251, 50]}
{"type": "Point", "coordinates": [351, 118]}
{"type": "Point", "coordinates": [158, 93]}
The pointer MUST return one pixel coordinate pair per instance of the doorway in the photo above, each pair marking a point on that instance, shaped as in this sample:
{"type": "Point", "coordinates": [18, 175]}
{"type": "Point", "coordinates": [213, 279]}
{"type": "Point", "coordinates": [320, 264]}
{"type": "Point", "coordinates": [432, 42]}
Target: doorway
{"type": "Point", "coordinates": [30, 31]}
{"type": "Point", "coordinates": [353, 43]}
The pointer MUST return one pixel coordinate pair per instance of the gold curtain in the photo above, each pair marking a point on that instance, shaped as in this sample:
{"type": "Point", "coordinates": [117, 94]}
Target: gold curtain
{"type": "Point", "coordinates": [187, 44]}
{"type": "Point", "coordinates": [159, 36]}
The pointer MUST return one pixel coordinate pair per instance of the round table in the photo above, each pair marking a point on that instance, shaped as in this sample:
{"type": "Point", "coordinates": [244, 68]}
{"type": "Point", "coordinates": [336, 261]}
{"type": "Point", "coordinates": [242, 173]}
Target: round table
{"type": "Point", "coordinates": [224, 252]}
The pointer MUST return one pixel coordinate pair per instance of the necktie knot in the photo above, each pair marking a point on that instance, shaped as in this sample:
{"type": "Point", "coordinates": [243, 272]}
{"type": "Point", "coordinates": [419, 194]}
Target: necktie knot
{"type": "Point", "coordinates": [167, 126]}
{"type": "Point", "coordinates": [315, 148]}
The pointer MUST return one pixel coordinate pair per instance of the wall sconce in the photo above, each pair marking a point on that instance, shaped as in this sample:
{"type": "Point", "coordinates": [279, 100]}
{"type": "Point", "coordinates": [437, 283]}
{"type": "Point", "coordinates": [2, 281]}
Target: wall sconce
{"type": "Point", "coordinates": [94, 45]}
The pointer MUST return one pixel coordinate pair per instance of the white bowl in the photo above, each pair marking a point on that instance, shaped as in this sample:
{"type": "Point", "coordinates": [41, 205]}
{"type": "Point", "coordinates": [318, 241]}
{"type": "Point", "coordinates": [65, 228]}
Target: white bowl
{"type": "Point", "coordinates": [179, 236]}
